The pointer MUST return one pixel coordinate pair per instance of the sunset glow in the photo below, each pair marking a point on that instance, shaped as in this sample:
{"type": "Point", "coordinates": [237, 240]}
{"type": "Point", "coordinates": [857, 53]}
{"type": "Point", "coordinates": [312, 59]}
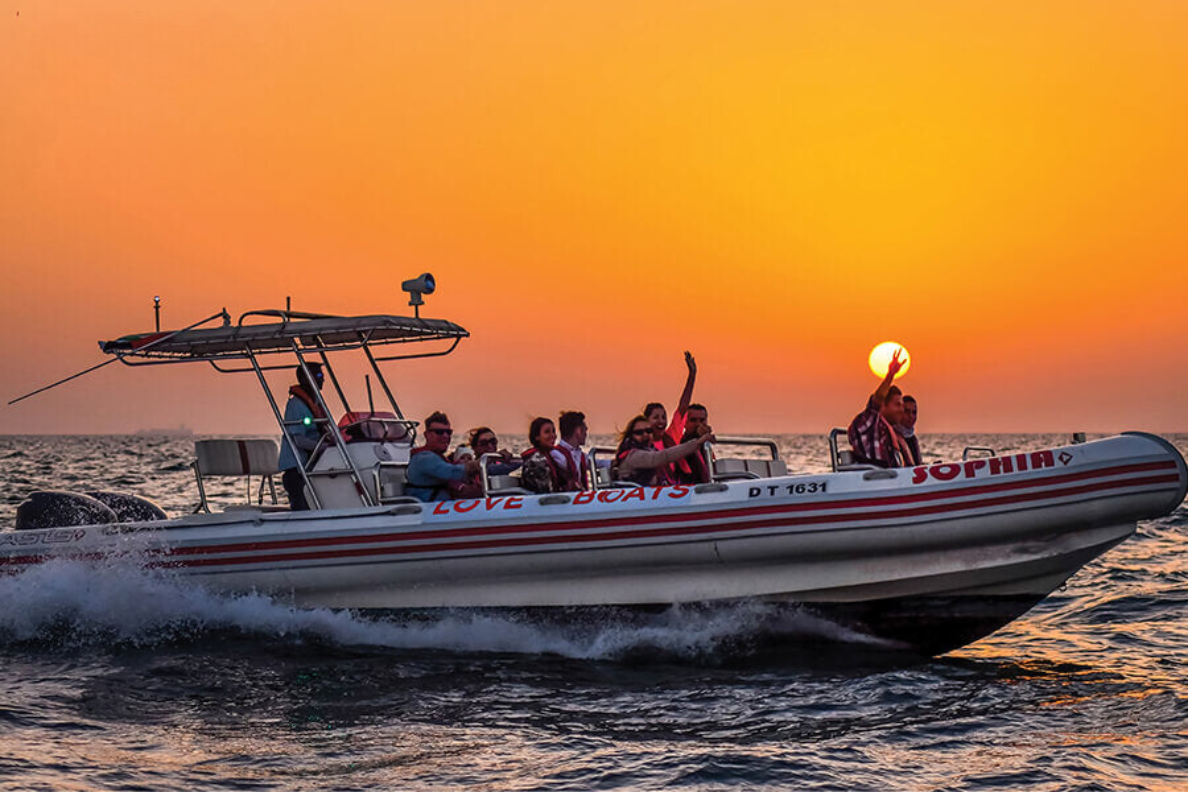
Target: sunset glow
{"type": "Point", "coordinates": [775, 186]}
{"type": "Point", "coordinates": [880, 359]}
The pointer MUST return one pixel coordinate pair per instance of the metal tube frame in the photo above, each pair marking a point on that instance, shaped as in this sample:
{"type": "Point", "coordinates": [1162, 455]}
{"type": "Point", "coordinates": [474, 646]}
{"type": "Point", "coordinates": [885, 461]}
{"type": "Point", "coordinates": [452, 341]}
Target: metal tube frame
{"type": "Point", "coordinates": [335, 433]}
{"type": "Point", "coordinates": [280, 419]}
{"type": "Point", "coordinates": [333, 377]}
{"type": "Point", "coordinates": [384, 383]}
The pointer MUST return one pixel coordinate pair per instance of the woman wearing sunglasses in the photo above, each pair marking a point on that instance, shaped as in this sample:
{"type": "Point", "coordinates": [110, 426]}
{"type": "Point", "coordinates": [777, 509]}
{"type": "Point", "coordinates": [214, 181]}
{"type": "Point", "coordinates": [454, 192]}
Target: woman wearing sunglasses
{"type": "Point", "coordinates": [638, 459]}
{"type": "Point", "coordinates": [484, 441]}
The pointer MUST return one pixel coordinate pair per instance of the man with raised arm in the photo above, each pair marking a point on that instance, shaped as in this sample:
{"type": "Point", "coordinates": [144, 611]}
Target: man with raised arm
{"type": "Point", "coordinates": [872, 434]}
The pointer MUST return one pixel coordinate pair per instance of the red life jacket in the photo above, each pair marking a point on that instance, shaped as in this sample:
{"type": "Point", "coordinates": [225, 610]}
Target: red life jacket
{"type": "Point", "coordinates": [555, 474]}
{"type": "Point", "coordinates": [578, 477]}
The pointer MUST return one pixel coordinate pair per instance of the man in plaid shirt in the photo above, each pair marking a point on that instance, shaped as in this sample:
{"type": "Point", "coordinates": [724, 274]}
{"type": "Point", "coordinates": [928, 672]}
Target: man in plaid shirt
{"type": "Point", "coordinates": [871, 433]}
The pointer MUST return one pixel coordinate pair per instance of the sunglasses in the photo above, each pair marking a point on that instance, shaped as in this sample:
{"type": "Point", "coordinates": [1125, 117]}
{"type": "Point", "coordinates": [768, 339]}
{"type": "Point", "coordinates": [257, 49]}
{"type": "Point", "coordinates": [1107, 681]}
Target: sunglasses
{"type": "Point", "coordinates": [446, 432]}
{"type": "Point", "coordinates": [486, 441]}
{"type": "Point", "coordinates": [640, 432]}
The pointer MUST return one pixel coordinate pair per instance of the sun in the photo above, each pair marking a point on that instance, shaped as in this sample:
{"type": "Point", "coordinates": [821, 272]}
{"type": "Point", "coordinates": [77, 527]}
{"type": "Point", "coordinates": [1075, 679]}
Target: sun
{"type": "Point", "coordinates": [880, 358]}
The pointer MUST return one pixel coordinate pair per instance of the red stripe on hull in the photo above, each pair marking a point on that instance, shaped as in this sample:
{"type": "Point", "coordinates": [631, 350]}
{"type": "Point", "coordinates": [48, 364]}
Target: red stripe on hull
{"type": "Point", "coordinates": [611, 522]}
{"type": "Point", "coordinates": [531, 541]}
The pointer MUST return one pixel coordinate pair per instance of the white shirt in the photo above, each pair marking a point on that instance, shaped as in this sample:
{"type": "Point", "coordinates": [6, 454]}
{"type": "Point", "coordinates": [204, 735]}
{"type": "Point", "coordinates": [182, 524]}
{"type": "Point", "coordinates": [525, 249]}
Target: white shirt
{"type": "Point", "coordinates": [568, 457]}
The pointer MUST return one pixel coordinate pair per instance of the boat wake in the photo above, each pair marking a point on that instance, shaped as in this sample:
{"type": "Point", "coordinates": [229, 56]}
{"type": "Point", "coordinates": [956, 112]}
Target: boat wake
{"type": "Point", "coordinates": [118, 603]}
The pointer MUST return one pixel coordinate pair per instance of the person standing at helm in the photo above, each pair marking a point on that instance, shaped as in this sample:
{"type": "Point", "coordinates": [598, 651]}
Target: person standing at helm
{"type": "Point", "coordinates": [871, 433]}
{"type": "Point", "coordinates": [302, 414]}
{"type": "Point", "coordinates": [665, 434]}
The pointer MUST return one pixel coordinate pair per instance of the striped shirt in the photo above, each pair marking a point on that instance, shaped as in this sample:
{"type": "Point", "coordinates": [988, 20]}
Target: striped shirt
{"type": "Point", "coordinates": [870, 437]}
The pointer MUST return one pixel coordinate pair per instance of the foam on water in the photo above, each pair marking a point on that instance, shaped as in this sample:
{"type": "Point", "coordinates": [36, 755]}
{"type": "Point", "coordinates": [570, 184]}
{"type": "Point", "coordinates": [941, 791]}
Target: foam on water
{"type": "Point", "coordinates": [118, 600]}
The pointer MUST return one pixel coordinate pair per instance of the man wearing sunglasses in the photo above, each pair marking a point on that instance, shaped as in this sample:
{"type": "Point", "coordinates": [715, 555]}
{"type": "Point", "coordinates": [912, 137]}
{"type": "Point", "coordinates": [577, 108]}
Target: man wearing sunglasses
{"type": "Point", "coordinates": [429, 473]}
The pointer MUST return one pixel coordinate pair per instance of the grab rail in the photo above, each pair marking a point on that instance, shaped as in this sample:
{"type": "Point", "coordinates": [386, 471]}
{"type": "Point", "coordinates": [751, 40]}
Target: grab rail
{"type": "Point", "coordinates": [593, 458]}
{"type": "Point", "coordinates": [486, 477]}
{"type": "Point", "coordinates": [835, 433]}
{"type": "Point", "coordinates": [987, 450]}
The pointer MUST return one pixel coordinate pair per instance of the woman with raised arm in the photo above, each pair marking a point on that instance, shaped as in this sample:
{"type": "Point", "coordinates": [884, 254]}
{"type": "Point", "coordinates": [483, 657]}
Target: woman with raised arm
{"type": "Point", "coordinates": [664, 434]}
{"type": "Point", "coordinates": [639, 461]}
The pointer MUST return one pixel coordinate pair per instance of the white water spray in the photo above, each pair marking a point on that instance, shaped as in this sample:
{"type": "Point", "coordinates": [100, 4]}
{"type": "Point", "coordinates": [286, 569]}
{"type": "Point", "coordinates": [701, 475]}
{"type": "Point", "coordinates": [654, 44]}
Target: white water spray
{"type": "Point", "coordinates": [118, 600]}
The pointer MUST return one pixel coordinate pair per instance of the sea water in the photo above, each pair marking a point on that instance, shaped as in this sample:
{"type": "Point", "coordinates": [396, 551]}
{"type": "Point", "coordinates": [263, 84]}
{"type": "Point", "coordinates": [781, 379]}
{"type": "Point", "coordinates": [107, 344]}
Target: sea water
{"type": "Point", "coordinates": [117, 678]}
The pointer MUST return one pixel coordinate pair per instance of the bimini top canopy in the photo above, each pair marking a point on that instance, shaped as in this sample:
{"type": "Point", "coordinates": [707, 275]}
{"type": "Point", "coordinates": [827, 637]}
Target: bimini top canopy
{"type": "Point", "coordinates": [303, 331]}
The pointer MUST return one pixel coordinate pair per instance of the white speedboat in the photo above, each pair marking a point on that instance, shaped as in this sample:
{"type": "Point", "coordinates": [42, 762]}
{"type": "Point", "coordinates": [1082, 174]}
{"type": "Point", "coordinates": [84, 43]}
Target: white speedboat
{"type": "Point", "coordinates": [931, 558]}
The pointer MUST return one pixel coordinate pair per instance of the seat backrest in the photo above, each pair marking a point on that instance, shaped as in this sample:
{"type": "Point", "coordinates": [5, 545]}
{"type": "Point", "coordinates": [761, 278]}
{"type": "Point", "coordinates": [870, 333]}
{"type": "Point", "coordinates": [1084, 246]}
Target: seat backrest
{"type": "Point", "coordinates": [236, 457]}
{"type": "Point", "coordinates": [728, 465]}
{"type": "Point", "coordinates": [392, 480]}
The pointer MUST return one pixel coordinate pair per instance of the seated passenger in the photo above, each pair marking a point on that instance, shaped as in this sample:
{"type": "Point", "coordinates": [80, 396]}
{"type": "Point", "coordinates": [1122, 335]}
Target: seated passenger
{"type": "Point", "coordinates": [541, 473]}
{"type": "Point", "coordinates": [429, 474]}
{"type": "Point", "coordinates": [871, 435]}
{"type": "Point", "coordinates": [667, 435]}
{"type": "Point", "coordinates": [639, 460]}
{"type": "Point", "coordinates": [693, 469]}
{"type": "Point", "coordinates": [907, 429]}
{"type": "Point", "coordinates": [472, 485]}
{"type": "Point", "coordinates": [568, 453]}
{"type": "Point", "coordinates": [484, 441]}
{"type": "Point", "coordinates": [304, 430]}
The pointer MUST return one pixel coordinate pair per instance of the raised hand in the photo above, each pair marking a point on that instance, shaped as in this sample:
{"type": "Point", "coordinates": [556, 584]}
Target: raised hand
{"type": "Point", "coordinates": [690, 362]}
{"type": "Point", "coordinates": [896, 364]}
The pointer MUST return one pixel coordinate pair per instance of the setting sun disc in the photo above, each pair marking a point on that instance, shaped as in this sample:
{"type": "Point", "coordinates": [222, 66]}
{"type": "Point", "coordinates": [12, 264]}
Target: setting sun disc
{"type": "Point", "coordinates": [880, 359]}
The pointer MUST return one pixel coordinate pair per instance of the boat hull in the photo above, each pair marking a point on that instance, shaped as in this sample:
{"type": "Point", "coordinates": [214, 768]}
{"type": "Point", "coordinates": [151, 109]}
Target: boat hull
{"type": "Point", "coordinates": [932, 558]}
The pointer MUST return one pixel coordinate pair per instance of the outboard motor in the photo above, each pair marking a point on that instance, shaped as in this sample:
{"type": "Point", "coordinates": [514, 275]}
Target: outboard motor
{"type": "Point", "coordinates": [130, 508]}
{"type": "Point", "coordinates": [58, 509]}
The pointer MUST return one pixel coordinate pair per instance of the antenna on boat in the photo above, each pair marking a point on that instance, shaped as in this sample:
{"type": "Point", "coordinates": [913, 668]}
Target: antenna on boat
{"type": "Point", "coordinates": [417, 288]}
{"type": "Point", "coordinates": [157, 311]}
{"type": "Point", "coordinates": [119, 357]}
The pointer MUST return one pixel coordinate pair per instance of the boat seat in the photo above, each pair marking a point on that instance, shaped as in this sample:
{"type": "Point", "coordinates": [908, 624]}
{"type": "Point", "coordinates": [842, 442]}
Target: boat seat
{"type": "Point", "coordinates": [728, 469]}
{"type": "Point", "coordinates": [234, 457]}
{"type": "Point", "coordinates": [505, 485]}
{"type": "Point", "coordinates": [604, 478]}
{"type": "Point", "coordinates": [846, 461]}
{"type": "Point", "coordinates": [392, 479]}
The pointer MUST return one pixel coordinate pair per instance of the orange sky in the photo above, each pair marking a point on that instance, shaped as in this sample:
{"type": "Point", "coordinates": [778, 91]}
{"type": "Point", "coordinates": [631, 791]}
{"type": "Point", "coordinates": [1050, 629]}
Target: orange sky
{"type": "Point", "coordinates": [777, 186]}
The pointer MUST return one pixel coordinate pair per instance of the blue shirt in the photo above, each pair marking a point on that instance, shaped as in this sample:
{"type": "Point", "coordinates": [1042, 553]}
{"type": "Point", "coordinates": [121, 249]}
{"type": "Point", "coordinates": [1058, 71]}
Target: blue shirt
{"type": "Point", "coordinates": [305, 435]}
{"type": "Point", "coordinates": [428, 474]}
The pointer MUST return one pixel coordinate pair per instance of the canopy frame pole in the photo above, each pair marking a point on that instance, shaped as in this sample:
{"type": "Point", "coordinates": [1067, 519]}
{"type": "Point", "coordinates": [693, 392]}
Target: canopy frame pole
{"type": "Point", "coordinates": [285, 437]}
{"type": "Point", "coordinates": [333, 377]}
{"type": "Point", "coordinates": [382, 381]}
{"type": "Point", "coordinates": [335, 433]}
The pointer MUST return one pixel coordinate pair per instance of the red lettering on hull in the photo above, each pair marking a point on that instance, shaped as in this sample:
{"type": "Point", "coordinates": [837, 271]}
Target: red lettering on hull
{"type": "Point", "coordinates": [993, 466]}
